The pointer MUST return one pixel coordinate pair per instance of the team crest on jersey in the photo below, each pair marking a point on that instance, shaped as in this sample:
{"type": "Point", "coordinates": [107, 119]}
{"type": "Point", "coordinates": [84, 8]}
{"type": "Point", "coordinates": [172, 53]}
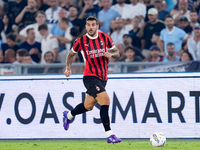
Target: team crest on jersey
{"type": "Point", "coordinates": [97, 88]}
{"type": "Point", "coordinates": [101, 42]}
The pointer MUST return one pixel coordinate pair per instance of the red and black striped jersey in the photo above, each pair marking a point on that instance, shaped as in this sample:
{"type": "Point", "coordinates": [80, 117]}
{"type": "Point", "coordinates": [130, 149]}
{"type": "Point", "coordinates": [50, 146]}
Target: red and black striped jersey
{"type": "Point", "coordinates": [93, 49]}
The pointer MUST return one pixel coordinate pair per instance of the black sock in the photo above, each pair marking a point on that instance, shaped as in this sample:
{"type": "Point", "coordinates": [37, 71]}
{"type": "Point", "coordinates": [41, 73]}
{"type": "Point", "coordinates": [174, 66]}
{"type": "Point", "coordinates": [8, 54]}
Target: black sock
{"type": "Point", "coordinates": [79, 109]}
{"type": "Point", "coordinates": [104, 117]}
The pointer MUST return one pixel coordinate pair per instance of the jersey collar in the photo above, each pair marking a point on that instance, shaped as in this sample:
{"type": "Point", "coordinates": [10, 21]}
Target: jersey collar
{"type": "Point", "coordinates": [93, 37]}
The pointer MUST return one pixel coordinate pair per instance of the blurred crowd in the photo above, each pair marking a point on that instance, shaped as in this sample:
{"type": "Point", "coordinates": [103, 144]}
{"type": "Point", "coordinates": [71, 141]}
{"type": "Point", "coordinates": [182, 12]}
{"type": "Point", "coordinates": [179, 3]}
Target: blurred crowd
{"type": "Point", "coordinates": [43, 31]}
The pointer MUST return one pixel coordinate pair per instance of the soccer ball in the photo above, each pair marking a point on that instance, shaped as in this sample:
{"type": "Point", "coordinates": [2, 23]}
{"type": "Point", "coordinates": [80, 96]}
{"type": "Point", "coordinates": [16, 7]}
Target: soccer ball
{"type": "Point", "coordinates": [157, 139]}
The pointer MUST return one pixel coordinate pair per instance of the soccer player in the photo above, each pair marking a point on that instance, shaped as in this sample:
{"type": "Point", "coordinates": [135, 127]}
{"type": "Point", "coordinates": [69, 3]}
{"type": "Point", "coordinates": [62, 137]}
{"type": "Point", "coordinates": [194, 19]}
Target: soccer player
{"type": "Point", "coordinates": [94, 46]}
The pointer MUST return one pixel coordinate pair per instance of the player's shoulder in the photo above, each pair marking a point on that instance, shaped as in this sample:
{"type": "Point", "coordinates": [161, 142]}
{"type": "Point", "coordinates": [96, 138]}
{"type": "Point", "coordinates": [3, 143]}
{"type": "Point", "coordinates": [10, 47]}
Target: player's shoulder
{"type": "Point", "coordinates": [78, 40]}
{"type": "Point", "coordinates": [163, 31]}
{"type": "Point", "coordinates": [103, 34]}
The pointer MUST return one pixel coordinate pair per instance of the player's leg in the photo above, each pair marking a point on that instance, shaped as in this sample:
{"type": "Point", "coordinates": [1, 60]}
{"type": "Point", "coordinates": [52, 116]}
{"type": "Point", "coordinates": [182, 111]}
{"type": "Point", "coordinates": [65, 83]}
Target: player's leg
{"type": "Point", "coordinates": [89, 102]}
{"type": "Point", "coordinates": [104, 101]}
{"type": "Point", "coordinates": [79, 109]}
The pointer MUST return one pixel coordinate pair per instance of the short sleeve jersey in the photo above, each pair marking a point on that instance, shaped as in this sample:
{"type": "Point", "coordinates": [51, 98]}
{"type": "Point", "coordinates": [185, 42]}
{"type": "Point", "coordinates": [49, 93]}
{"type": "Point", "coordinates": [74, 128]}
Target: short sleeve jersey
{"type": "Point", "coordinates": [93, 49]}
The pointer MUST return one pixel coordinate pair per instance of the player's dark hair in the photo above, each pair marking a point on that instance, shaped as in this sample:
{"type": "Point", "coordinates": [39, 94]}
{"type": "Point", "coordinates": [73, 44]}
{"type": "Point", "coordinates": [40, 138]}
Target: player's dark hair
{"type": "Point", "coordinates": [27, 31]}
{"type": "Point", "coordinates": [10, 52]}
{"type": "Point", "coordinates": [43, 27]}
{"type": "Point", "coordinates": [11, 36]}
{"type": "Point", "coordinates": [189, 54]}
{"type": "Point", "coordinates": [170, 44]}
{"type": "Point", "coordinates": [27, 54]}
{"type": "Point", "coordinates": [168, 16]}
{"type": "Point", "coordinates": [92, 18]}
{"type": "Point", "coordinates": [63, 19]}
{"type": "Point", "coordinates": [73, 7]}
{"type": "Point", "coordinates": [130, 47]}
{"type": "Point", "coordinates": [193, 11]}
{"type": "Point", "coordinates": [21, 52]}
{"type": "Point", "coordinates": [40, 12]}
{"type": "Point", "coordinates": [48, 53]}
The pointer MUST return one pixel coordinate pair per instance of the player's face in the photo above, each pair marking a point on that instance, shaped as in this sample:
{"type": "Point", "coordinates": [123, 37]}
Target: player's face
{"type": "Point", "coordinates": [27, 60]}
{"type": "Point", "coordinates": [10, 42]}
{"type": "Point", "coordinates": [158, 4]}
{"type": "Point", "coordinates": [113, 25]}
{"type": "Point", "coordinates": [5, 20]}
{"type": "Point", "coordinates": [53, 3]}
{"type": "Point", "coordinates": [134, 1]}
{"type": "Point", "coordinates": [19, 58]}
{"type": "Point", "coordinates": [185, 57]}
{"type": "Point", "coordinates": [73, 12]}
{"type": "Point", "coordinates": [48, 58]}
{"type": "Point", "coordinates": [119, 24]}
{"type": "Point", "coordinates": [152, 18]}
{"type": "Point", "coordinates": [106, 3]}
{"type": "Point", "coordinates": [171, 49]}
{"type": "Point", "coordinates": [62, 13]}
{"type": "Point", "coordinates": [129, 53]}
{"type": "Point", "coordinates": [92, 27]}
{"type": "Point", "coordinates": [42, 32]}
{"type": "Point", "coordinates": [40, 18]}
{"type": "Point", "coordinates": [31, 35]}
{"type": "Point", "coordinates": [183, 5]}
{"type": "Point", "coordinates": [183, 24]}
{"type": "Point", "coordinates": [196, 32]}
{"type": "Point", "coordinates": [88, 2]}
{"type": "Point", "coordinates": [135, 22]}
{"type": "Point", "coordinates": [32, 4]}
{"type": "Point", "coordinates": [154, 53]}
{"type": "Point", "coordinates": [193, 16]}
{"type": "Point", "coordinates": [169, 22]}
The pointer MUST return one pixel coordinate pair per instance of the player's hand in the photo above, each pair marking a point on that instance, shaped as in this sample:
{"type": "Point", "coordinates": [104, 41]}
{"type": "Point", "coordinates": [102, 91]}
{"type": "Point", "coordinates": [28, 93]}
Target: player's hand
{"type": "Point", "coordinates": [86, 7]}
{"type": "Point", "coordinates": [107, 54]}
{"type": "Point", "coordinates": [33, 51]}
{"type": "Point", "coordinates": [67, 72]}
{"type": "Point", "coordinates": [26, 9]}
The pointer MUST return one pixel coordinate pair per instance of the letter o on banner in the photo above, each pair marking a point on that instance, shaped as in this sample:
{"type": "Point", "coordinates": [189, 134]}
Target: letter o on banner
{"type": "Point", "coordinates": [30, 98]}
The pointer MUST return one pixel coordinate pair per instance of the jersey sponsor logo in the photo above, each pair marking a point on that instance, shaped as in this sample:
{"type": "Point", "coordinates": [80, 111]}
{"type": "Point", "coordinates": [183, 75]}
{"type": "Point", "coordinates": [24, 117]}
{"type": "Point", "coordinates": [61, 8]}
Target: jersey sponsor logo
{"type": "Point", "coordinates": [96, 53]}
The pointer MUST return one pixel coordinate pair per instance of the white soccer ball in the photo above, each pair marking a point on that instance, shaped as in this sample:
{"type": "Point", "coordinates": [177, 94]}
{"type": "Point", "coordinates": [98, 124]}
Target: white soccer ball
{"type": "Point", "coordinates": [157, 139]}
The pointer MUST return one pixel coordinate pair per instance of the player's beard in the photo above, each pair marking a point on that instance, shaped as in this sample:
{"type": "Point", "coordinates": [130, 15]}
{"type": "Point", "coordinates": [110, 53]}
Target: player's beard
{"type": "Point", "coordinates": [170, 26]}
{"type": "Point", "coordinates": [93, 33]}
{"type": "Point", "coordinates": [171, 54]}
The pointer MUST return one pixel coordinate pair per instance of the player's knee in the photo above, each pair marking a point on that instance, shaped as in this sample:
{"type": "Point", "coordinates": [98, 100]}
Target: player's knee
{"type": "Point", "coordinates": [89, 108]}
{"type": "Point", "coordinates": [106, 101]}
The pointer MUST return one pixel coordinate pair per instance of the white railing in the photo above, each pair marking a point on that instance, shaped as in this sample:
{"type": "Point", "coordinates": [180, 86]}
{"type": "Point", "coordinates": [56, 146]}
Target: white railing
{"type": "Point", "coordinates": [113, 67]}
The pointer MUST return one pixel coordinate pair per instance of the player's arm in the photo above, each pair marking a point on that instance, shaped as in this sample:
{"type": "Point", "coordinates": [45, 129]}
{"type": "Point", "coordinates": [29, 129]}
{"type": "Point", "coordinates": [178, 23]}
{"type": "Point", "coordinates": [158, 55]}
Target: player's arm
{"type": "Point", "coordinates": [61, 38]}
{"type": "Point", "coordinates": [68, 63]}
{"type": "Point", "coordinates": [161, 46]}
{"type": "Point", "coordinates": [19, 18]}
{"type": "Point", "coordinates": [114, 52]}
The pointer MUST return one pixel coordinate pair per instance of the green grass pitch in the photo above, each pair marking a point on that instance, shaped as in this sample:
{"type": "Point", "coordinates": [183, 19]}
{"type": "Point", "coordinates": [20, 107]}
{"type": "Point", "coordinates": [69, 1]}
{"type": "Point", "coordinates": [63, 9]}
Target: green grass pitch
{"type": "Point", "coordinates": [97, 144]}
